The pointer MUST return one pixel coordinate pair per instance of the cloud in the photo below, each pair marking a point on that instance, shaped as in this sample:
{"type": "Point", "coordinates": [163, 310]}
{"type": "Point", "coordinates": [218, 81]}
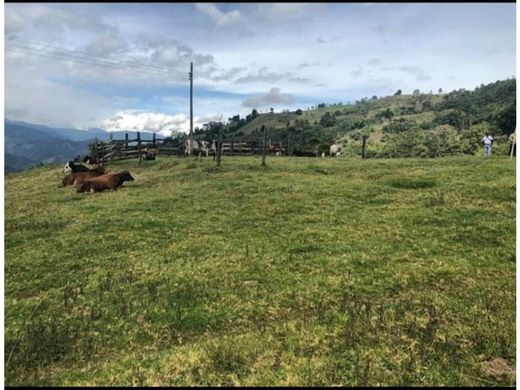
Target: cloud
{"type": "Point", "coordinates": [416, 71]}
{"type": "Point", "coordinates": [219, 17]}
{"type": "Point", "coordinates": [106, 43]}
{"type": "Point", "coordinates": [263, 75]}
{"type": "Point", "coordinates": [289, 11]}
{"type": "Point", "coordinates": [307, 65]}
{"type": "Point", "coordinates": [374, 61]}
{"type": "Point", "coordinates": [164, 124]}
{"type": "Point", "coordinates": [329, 40]}
{"type": "Point", "coordinates": [273, 97]}
{"type": "Point", "coordinates": [227, 75]}
{"type": "Point", "coordinates": [356, 72]}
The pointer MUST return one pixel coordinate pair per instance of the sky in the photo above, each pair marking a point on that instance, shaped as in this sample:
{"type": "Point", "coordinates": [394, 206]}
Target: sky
{"type": "Point", "coordinates": [123, 66]}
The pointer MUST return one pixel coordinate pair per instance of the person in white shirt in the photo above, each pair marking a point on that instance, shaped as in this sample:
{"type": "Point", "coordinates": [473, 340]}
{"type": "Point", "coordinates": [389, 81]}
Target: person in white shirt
{"type": "Point", "coordinates": [487, 141]}
{"type": "Point", "coordinates": [512, 139]}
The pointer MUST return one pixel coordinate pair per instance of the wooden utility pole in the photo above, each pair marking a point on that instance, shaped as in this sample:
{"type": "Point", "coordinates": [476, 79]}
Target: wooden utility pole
{"type": "Point", "coordinates": [263, 145]}
{"type": "Point", "coordinates": [139, 147]}
{"type": "Point", "coordinates": [190, 142]}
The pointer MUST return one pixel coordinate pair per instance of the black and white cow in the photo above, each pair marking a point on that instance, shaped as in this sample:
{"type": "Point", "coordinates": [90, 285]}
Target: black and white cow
{"type": "Point", "coordinates": [335, 150]}
{"type": "Point", "coordinates": [71, 167]}
{"type": "Point", "coordinates": [199, 147]}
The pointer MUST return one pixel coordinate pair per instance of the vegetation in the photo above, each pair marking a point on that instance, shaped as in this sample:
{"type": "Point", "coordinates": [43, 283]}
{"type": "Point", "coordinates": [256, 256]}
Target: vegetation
{"type": "Point", "coordinates": [304, 272]}
{"type": "Point", "coordinates": [399, 125]}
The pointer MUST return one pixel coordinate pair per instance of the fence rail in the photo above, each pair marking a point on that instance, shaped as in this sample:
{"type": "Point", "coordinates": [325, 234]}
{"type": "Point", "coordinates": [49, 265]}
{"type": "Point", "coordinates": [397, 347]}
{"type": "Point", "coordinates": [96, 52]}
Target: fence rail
{"type": "Point", "coordinates": [124, 149]}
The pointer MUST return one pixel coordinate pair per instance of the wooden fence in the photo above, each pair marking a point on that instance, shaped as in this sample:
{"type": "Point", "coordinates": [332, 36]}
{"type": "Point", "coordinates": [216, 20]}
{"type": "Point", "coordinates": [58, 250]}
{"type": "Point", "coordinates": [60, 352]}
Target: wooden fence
{"type": "Point", "coordinates": [114, 150]}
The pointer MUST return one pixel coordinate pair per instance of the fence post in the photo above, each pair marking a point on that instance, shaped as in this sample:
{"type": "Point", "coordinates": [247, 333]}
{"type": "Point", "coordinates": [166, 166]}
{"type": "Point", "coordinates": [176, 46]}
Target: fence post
{"type": "Point", "coordinates": [153, 139]}
{"type": "Point", "coordinates": [232, 142]}
{"type": "Point", "coordinates": [289, 143]}
{"type": "Point", "coordinates": [363, 147]}
{"type": "Point", "coordinates": [126, 140]}
{"type": "Point", "coordinates": [219, 147]}
{"type": "Point", "coordinates": [281, 154]}
{"type": "Point", "coordinates": [139, 147]}
{"type": "Point", "coordinates": [263, 145]}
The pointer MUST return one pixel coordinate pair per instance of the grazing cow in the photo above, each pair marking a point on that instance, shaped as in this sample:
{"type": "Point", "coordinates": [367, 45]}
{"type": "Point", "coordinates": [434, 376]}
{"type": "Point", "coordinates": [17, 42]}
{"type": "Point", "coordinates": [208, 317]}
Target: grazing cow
{"type": "Point", "coordinates": [71, 167]}
{"type": "Point", "coordinates": [75, 178]}
{"type": "Point", "coordinates": [335, 149]}
{"type": "Point", "coordinates": [272, 150]}
{"type": "Point", "coordinates": [199, 147]}
{"type": "Point", "coordinates": [112, 181]}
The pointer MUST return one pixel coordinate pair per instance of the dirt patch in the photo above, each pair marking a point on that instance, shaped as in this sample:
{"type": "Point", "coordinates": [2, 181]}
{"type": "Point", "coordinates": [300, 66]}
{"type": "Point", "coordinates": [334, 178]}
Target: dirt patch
{"type": "Point", "coordinates": [497, 368]}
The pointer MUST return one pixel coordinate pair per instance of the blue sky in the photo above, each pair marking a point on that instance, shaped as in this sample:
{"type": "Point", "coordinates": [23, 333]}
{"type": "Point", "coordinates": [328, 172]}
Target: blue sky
{"type": "Point", "coordinates": [260, 55]}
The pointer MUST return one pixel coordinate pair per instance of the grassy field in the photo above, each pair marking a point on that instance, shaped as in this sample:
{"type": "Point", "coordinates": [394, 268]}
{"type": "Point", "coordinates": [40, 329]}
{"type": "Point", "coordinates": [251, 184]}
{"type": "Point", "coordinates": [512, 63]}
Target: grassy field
{"type": "Point", "coordinates": [305, 272]}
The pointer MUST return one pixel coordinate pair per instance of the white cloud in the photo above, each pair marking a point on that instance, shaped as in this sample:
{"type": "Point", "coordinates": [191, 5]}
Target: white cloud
{"type": "Point", "coordinates": [289, 11]}
{"type": "Point", "coordinates": [219, 17]}
{"type": "Point", "coordinates": [166, 125]}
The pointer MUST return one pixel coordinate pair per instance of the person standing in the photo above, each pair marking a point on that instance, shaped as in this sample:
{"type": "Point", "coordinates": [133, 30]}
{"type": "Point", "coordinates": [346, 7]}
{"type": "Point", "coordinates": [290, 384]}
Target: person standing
{"type": "Point", "coordinates": [487, 141]}
{"type": "Point", "coordinates": [512, 139]}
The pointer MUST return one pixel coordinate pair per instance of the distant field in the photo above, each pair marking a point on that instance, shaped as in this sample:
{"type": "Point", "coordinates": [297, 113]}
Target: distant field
{"type": "Point", "coordinates": [306, 272]}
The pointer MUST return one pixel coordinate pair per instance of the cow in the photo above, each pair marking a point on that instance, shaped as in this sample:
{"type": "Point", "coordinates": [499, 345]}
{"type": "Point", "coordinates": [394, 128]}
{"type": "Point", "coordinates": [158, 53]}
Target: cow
{"type": "Point", "coordinates": [75, 178]}
{"type": "Point", "coordinates": [335, 149]}
{"type": "Point", "coordinates": [90, 160]}
{"type": "Point", "coordinates": [199, 147]}
{"type": "Point", "coordinates": [272, 150]}
{"type": "Point", "coordinates": [112, 181]}
{"type": "Point", "coordinates": [71, 167]}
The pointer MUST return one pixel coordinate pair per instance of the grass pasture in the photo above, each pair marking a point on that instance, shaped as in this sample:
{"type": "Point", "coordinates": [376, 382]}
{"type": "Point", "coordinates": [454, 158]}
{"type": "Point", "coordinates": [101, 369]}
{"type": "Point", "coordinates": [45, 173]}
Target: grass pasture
{"type": "Point", "coordinates": [305, 272]}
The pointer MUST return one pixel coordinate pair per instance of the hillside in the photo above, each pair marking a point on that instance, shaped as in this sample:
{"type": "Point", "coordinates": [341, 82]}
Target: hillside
{"type": "Point", "coordinates": [28, 145]}
{"type": "Point", "coordinates": [418, 125]}
{"type": "Point", "coordinates": [311, 272]}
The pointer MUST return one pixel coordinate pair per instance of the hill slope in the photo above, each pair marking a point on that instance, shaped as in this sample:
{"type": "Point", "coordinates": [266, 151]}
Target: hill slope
{"type": "Point", "coordinates": [308, 272]}
{"type": "Point", "coordinates": [431, 124]}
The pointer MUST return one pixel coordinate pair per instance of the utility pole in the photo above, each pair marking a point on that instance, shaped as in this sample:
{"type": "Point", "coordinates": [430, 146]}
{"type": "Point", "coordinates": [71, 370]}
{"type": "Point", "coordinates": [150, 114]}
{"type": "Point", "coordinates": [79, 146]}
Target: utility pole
{"type": "Point", "coordinates": [190, 141]}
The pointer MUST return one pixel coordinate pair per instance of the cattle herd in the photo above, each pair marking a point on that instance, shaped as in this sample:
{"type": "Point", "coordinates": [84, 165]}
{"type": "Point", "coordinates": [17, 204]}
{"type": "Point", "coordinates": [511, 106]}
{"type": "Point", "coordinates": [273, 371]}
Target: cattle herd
{"type": "Point", "coordinates": [93, 180]}
{"type": "Point", "coordinates": [96, 179]}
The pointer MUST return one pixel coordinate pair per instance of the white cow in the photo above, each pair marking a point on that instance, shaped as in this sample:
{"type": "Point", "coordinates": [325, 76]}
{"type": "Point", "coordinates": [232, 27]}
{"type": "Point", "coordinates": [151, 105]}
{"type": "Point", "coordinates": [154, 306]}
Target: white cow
{"type": "Point", "coordinates": [198, 147]}
{"type": "Point", "coordinates": [335, 149]}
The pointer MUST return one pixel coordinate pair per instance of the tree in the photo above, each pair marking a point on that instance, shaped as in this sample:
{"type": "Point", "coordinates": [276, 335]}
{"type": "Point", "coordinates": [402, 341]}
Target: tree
{"type": "Point", "coordinates": [272, 110]}
{"type": "Point", "coordinates": [298, 112]}
{"type": "Point", "coordinates": [398, 93]}
{"type": "Point", "coordinates": [416, 92]}
{"type": "Point", "coordinates": [440, 90]}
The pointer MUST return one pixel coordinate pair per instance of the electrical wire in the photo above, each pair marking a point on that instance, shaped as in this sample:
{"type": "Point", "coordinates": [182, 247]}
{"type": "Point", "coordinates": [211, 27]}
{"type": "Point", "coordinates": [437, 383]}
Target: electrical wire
{"type": "Point", "coordinates": [91, 59]}
{"type": "Point", "coordinates": [76, 52]}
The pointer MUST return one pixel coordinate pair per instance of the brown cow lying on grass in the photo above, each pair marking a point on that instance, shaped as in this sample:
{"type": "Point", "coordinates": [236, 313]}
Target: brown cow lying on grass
{"type": "Point", "coordinates": [75, 178]}
{"type": "Point", "coordinates": [106, 182]}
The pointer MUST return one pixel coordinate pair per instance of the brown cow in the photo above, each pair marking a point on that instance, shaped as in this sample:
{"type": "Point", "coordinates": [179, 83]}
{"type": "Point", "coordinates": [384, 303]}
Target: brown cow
{"type": "Point", "coordinates": [106, 182]}
{"type": "Point", "coordinates": [79, 177]}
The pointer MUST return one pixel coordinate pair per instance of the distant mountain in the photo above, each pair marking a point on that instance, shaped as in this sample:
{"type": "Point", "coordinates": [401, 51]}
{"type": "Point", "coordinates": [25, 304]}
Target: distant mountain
{"type": "Point", "coordinates": [28, 144]}
{"type": "Point", "coordinates": [64, 133]}
{"type": "Point", "coordinates": [16, 163]}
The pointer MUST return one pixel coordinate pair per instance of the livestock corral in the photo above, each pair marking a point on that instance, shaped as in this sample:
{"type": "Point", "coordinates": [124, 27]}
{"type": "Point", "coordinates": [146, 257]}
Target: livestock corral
{"type": "Point", "coordinates": [306, 271]}
{"type": "Point", "coordinates": [149, 149]}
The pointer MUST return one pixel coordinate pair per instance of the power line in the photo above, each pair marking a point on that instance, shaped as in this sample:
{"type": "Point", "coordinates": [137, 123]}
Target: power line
{"type": "Point", "coordinates": [75, 52]}
{"type": "Point", "coordinates": [93, 60]}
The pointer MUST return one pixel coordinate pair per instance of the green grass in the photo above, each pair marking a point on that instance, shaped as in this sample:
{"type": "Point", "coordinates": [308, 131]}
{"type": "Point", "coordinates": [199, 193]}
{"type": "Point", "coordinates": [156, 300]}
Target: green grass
{"type": "Point", "coordinates": [304, 272]}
